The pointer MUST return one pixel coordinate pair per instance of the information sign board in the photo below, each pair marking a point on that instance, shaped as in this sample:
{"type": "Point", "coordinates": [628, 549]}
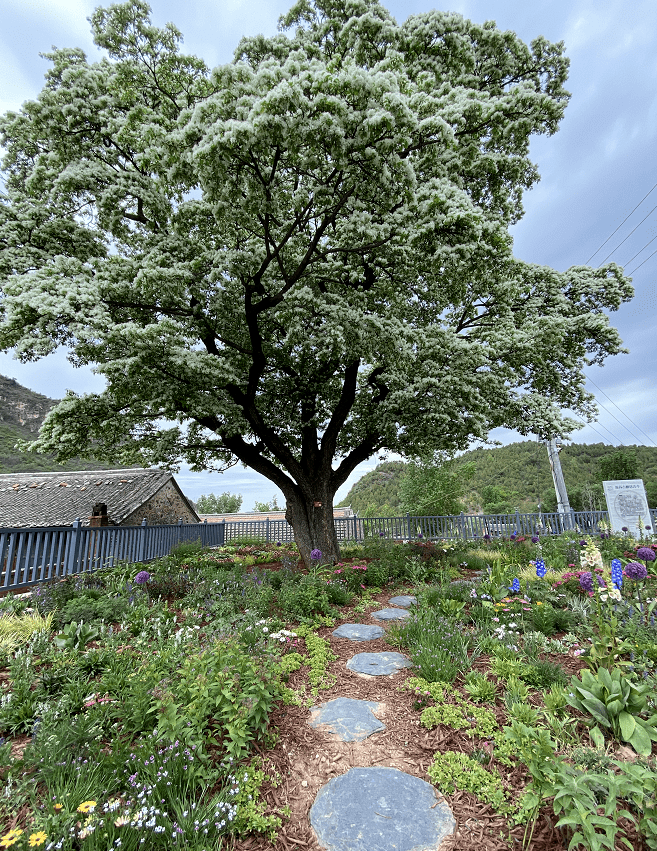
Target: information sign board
{"type": "Point", "coordinates": [627, 504]}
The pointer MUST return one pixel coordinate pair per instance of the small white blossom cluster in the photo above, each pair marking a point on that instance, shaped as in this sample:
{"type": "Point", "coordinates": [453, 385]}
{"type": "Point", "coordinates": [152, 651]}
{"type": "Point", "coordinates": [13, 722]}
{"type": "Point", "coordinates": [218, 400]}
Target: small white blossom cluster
{"type": "Point", "coordinates": [283, 635]}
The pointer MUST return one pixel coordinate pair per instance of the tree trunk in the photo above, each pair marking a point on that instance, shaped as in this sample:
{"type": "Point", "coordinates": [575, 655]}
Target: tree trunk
{"type": "Point", "coordinates": [314, 529]}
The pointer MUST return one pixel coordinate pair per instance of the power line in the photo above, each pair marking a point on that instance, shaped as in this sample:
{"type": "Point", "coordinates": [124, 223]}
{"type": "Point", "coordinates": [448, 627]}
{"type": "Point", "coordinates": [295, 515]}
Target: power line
{"type": "Point", "coordinates": [622, 425]}
{"type": "Point", "coordinates": [620, 225]}
{"type": "Point", "coordinates": [588, 425]}
{"type": "Point", "coordinates": [639, 252]}
{"type": "Point", "coordinates": [629, 235]}
{"type": "Point", "coordinates": [619, 409]}
{"type": "Point", "coordinates": [636, 268]}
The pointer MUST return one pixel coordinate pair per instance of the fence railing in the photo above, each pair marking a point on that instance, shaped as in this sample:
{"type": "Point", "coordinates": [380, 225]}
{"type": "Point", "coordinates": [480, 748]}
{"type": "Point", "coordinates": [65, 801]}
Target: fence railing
{"type": "Point", "coordinates": [31, 556]}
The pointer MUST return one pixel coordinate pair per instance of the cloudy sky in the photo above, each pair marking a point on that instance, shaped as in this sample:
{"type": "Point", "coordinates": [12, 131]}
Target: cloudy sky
{"type": "Point", "coordinates": [596, 171]}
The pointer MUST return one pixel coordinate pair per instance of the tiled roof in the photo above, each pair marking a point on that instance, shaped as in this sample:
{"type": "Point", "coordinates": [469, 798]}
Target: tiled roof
{"type": "Point", "coordinates": [57, 499]}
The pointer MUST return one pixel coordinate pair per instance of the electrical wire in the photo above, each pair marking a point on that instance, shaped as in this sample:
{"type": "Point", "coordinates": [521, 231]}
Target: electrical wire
{"type": "Point", "coordinates": [619, 409]}
{"type": "Point", "coordinates": [622, 425]}
{"type": "Point", "coordinates": [641, 264]}
{"type": "Point", "coordinates": [620, 225]}
{"type": "Point", "coordinates": [629, 235]}
{"type": "Point", "coordinates": [639, 252]}
{"type": "Point", "coordinates": [588, 425]}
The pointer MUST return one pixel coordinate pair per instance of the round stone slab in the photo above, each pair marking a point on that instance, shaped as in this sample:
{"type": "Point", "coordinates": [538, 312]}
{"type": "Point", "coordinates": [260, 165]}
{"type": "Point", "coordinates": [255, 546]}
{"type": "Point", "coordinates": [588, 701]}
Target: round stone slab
{"type": "Point", "coordinates": [380, 809]}
{"type": "Point", "coordinates": [378, 664]}
{"type": "Point", "coordinates": [359, 631]}
{"type": "Point", "coordinates": [404, 601]}
{"type": "Point", "coordinates": [351, 720]}
{"type": "Point", "coordinates": [391, 614]}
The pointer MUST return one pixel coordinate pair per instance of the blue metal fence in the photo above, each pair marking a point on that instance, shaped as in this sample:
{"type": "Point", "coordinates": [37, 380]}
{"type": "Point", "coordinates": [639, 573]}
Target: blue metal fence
{"type": "Point", "coordinates": [31, 556]}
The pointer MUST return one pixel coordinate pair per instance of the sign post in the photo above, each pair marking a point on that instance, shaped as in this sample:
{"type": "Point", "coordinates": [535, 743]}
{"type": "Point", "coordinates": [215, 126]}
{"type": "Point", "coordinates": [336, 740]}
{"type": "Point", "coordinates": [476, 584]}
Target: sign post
{"type": "Point", "coordinates": [627, 506]}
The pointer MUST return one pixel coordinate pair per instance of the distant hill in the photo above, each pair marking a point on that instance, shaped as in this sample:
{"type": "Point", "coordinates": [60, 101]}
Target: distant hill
{"type": "Point", "coordinates": [517, 475]}
{"type": "Point", "coordinates": [21, 413]}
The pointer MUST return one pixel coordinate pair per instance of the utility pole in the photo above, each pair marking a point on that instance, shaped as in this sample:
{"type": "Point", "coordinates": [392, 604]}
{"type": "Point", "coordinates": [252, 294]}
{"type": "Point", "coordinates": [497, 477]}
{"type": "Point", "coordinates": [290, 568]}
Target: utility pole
{"type": "Point", "coordinates": [563, 506]}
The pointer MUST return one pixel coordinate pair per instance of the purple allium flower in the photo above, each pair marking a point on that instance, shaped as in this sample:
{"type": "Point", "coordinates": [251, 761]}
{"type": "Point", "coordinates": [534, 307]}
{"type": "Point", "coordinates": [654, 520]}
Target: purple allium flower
{"type": "Point", "coordinates": [142, 577]}
{"type": "Point", "coordinates": [645, 554]}
{"type": "Point", "coordinates": [617, 573]}
{"type": "Point", "coordinates": [625, 529]}
{"type": "Point", "coordinates": [419, 534]}
{"type": "Point", "coordinates": [582, 543]}
{"type": "Point", "coordinates": [648, 528]}
{"type": "Point", "coordinates": [534, 539]}
{"type": "Point", "coordinates": [514, 534]}
{"type": "Point", "coordinates": [278, 543]}
{"type": "Point", "coordinates": [316, 555]}
{"type": "Point", "coordinates": [487, 537]}
{"type": "Point", "coordinates": [540, 568]}
{"type": "Point", "coordinates": [515, 585]}
{"type": "Point", "coordinates": [635, 571]}
{"type": "Point", "coordinates": [586, 581]}
{"type": "Point", "coordinates": [382, 534]}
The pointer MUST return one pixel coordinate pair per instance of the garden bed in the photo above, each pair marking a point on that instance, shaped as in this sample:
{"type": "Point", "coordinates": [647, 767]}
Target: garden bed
{"type": "Point", "coordinates": [192, 675]}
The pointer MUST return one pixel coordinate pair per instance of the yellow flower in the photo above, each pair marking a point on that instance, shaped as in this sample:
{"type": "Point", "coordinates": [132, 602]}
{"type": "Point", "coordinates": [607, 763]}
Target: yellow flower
{"type": "Point", "coordinates": [58, 807]}
{"type": "Point", "coordinates": [86, 806]}
{"type": "Point", "coordinates": [37, 839]}
{"type": "Point", "coordinates": [538, 603]}
{"type": "Point", "coordinates": [11, 838]}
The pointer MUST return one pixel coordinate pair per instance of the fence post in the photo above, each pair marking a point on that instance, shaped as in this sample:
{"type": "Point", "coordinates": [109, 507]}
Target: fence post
{"type": "Point", "coordinates": [141, 550]}
{"type": "Point", "coordinates": [179, 529]}
{"type": "Point", "coordinates": [517, 522]}
{"type": "Point", "coordinates": [462, 525]}
{"type": "Point", "coordinates": [222, 532]}
{"type": "Point", "coordinates": [73, 550]}
{"type": "Point", "coordinates": [267, 530]}
{"type": "Point", "coordinates": [408, 525]}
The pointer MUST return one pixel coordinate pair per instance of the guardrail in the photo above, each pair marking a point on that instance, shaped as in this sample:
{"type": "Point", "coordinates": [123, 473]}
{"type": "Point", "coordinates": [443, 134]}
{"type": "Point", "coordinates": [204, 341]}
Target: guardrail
{"type": "Point", "coordinates": [31, 556]}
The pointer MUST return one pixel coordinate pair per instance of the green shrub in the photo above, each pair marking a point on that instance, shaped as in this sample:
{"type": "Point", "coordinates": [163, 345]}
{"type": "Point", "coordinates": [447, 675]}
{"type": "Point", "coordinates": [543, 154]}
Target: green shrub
{"type": "Point", "coordinates": [87, 609]}
{"type": "Point", "coordinates": [303, 598]}
{"type": "Point", "coordinates": [480, 688]}
{"type": "Point", "coordinates": [451, 771]}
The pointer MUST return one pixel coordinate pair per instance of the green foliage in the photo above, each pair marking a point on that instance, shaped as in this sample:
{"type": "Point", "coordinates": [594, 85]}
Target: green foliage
{"type": "Point", "coordinates": [436, 645]}
{"type": "Point", "coordinates": [225, 503]}
{"type": "Point", "coordinates": [76, 636]}
{"type": "Point", "coordinates": [17, 630]}
{"type": "Point", "coordinates": [303, 598]}
{"type": "Point", "coordinates": [451, 771]}
{"type": "Point", "coordinates": [621, 464]}
{"type": "Point", "coordinates": [591, 804]}
{"type": "Point", "coordinates": [84, 608]}
{"type": "Point", "coordinates": [610, 699]}
{"type": "Point", "coordinates": [320, 655]}
{"type": "Point", "coordinates": [272, 505]}
{"type": "Point", "coordinates": [430, 488]}
{"type": "Point", "coordinates": [377, 490]}
{"type": "Point", "coordinates": [480, 688]}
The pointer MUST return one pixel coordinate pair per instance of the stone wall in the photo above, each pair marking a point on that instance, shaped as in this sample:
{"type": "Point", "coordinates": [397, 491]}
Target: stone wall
{"type": "Point", "coordinates": [166, 506]}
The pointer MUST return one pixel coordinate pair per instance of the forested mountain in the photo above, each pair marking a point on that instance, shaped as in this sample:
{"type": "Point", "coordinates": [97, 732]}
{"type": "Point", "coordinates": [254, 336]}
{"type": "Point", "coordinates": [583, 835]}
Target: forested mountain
{"type": "Point", "coordinates": [21, 413]}
{"type": "Point", "coordinates": [516, 476]}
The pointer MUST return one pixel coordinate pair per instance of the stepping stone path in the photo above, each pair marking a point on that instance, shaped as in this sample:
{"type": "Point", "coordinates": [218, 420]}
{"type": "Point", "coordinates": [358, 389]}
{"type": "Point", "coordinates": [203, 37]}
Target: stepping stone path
{"type": "Point", "coordinates": [378, 664]}
{"type": "Point", "coordinates": [404, 601]}
{"type": "Point", "coordinates": [391, 615]}
{"type": "Point", "coordinates": [375, 808]}
{"type": "Point", "coordinates": [352, 720]}
{"type": "Point", "coordinates": [359, 632]}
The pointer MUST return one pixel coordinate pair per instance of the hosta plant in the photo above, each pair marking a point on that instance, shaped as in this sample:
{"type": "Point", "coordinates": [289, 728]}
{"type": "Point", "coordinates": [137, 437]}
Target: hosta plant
{"type": "Point", "coordinates": [614, 703]}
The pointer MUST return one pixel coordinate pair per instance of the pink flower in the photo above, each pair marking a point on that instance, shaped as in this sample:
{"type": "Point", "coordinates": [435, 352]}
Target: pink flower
{"type": "Point", "coordinates": [497, 620]}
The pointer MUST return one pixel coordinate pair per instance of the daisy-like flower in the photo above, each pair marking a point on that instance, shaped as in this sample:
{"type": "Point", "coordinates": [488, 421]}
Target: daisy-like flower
{"type": "Point", "coordinates": [37, 839]}
{"type": "Point", "coordinates": [87, 806]}
{"type": "Point", "coordinates": [58, 807]}
{"type": "Point", "coordinates": [11, 838]}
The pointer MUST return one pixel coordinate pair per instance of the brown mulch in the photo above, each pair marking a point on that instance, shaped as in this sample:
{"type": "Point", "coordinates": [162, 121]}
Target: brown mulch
{"type": "Point", "coordinates": [306, 758]}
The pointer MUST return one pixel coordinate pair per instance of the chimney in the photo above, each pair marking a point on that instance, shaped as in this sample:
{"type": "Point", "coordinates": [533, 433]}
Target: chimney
{"type": "Point", "coordinates": [99, 515]}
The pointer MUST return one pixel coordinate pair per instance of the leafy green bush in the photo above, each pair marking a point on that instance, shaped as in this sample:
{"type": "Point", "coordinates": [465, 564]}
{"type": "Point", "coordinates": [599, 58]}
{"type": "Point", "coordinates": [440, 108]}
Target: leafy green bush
{"type": "Point", "coordinates": [87, 609]}
{"type": "Point", "coordinates": [451, 771]}
{"type": "Point", "coordinates": [437, 645]}
{"type": "Point", "coordinates": [609, 699]}
{"type": "Point", "coordinates": [480, 688]}
{"type": "Point", "coordinates": [303, 598]}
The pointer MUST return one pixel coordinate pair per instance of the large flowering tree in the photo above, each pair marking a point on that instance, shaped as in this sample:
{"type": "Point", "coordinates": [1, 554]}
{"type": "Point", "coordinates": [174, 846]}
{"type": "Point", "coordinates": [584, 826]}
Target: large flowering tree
{"type": "Point", "coordinates": [297, 259]}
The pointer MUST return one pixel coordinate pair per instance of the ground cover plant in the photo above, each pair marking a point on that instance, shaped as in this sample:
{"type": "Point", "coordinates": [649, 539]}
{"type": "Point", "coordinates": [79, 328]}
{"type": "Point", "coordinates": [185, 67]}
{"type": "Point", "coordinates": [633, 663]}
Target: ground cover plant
{"type": "Point", "coordinates": [150, 722]}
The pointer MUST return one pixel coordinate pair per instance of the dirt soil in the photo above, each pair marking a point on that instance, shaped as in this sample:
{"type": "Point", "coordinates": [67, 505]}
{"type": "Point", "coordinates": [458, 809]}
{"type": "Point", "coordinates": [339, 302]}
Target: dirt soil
{"type": "Point", "coordinates": [307, 758]}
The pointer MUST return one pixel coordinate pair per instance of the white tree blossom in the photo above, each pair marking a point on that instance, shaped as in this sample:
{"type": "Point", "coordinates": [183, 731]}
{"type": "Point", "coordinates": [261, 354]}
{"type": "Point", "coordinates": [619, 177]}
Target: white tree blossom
{"type": "Point", "coordinates": [297, 259]}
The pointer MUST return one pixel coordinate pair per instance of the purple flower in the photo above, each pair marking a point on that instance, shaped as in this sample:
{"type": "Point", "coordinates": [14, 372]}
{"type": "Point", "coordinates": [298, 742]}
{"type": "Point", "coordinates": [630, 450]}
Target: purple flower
{"type": "Point", "coordinates": [382, 534]}
{"type": "Point", "coordinates": [582, 543]}
{"type": "Point", "coordinates": [648, 528]}
{"type": "Point", "coordinates": [586, 581]}
{"type": "Point", "coordinates": [486, 537]}
{"type": "Point", "coordinates": [142, 577]}
{"type": "Point", "coordinates": [617, 573]}
{"type": "Point", "coordinates": [316, 555]}
{"type": "Point", "coordinates": [278, 543]}
{"type": "Point", "coordinates": [514, 535]}
{"type": "Point", "coordinates": [635, 571]}
{"type": "Point", "coordinates": [645, 554]}
{"type": "Point", "coordinates": [419, 534]}
{"type": "Point", "coordinates": [540, 568]}
{"type": "Point", "coordinates": [625, 529]}
{"type": "Point", "coordinates": [534, 539]}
